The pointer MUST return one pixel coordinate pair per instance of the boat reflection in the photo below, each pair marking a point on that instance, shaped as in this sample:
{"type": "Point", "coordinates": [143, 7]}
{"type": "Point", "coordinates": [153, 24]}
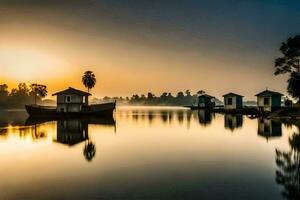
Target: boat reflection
{"type": "Point", "coordinates": [233, 122]}
{"type": "Point", "coordinates": [70, 132]}
{"type": "Point", "coordinates": [268, 128]}
{"type": "Point", "coordinates": [74, 131]}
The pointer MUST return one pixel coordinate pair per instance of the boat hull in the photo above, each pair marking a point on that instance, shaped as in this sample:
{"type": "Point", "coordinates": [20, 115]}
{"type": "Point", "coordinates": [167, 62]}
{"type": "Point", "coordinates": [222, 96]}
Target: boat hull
{"type": "Point", "coordinates": [98, 110]}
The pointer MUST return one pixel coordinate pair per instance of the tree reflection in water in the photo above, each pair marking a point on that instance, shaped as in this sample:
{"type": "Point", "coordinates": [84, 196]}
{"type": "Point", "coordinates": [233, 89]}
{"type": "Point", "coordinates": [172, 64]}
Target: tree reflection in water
{"type": "Point", "coordinates": [288, 168]}
{"type": "Point", "coordinates": [35, 132]}
{"type": "Point", "coordinates": [89, 151]}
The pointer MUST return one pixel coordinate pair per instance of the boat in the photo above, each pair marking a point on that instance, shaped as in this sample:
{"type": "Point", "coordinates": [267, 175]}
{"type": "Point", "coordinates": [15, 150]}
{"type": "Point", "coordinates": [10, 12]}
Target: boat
{"type": "Point", "coordinates": [105, 109]}
{"type": "Point", "coordinates": [72, 103]}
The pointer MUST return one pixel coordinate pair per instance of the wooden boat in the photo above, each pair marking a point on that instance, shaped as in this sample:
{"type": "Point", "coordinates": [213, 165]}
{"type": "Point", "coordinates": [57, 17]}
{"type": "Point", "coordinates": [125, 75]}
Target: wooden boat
{"type": "Point", "coordinates": [105, 109]}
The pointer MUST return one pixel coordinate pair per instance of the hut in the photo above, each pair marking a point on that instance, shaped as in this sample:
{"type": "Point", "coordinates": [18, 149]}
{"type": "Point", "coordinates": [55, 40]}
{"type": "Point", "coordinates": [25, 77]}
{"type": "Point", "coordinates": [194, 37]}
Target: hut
{"type": "Point", "coordinates": [206, 101]}
{"type": "Point", "coordinates": [233, 101]}
{"type": "Point", "coordinates": [268, 101]}
{"type": "Point", "coordinates": [72, 100]}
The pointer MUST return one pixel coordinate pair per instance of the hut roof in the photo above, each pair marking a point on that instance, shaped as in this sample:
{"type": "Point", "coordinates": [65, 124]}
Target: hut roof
{"type": "Point", "coordinates": [71, 90]}
{"type": "Point", "coordinates": [232, 94]}
{"type": "Point", "coordinates": [269, 93]}
{"type": "Point", "coordinates": [207, 96]}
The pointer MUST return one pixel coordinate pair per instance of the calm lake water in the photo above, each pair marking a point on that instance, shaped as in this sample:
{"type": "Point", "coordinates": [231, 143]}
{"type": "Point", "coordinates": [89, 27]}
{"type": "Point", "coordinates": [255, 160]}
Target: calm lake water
{"type": "Point", "coordinates": [148, 153]}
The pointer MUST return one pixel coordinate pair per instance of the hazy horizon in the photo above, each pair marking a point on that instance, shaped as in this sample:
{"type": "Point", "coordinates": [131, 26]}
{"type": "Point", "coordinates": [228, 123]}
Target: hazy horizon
{"type": "Point", "coordinates": [138, 46]}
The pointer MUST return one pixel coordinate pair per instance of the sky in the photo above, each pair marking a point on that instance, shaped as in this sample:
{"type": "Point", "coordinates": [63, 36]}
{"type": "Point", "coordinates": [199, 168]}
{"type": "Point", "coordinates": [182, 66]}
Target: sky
{"type": "Point", "coordinates": [140, 46]}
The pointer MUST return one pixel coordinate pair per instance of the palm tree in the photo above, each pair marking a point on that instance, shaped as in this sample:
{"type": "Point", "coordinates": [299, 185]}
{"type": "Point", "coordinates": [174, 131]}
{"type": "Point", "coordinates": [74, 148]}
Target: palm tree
{"type": "Point", "coordinates": [89, 80]}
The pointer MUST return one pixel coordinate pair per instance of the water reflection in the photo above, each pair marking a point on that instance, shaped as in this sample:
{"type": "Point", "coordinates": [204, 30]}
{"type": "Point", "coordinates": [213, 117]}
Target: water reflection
{"type": "Point", "coordinates": [233, 122]}
{"type": "Point", "coordinates": [205, 117]}
{"type": "Point", "coordinates": [168, 116]}
{"type": "Point", "coordinates": [71, 131]}
{"type": "Point", "coordinates": [269, 128]}
{"type": "Point", "coordinates": [74, 131]}
{"type": "Point", "coordinates": [89, 151]}
{"type": "Point", "coordinates": [152, 146]}
{"type": "Point", "coordinates": [13, 117]}
{"type": "Point", "coordinates": [288, 168]}
{"type": "Point", "coordinates": [35, 132]}
{"type": "Point", "coordinates": [68, 132]}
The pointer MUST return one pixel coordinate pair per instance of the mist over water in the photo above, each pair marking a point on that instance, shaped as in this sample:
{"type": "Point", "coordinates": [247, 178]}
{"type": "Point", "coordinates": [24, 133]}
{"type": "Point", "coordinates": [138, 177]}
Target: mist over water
{"type": "Point", "coordinates": [143, 153]}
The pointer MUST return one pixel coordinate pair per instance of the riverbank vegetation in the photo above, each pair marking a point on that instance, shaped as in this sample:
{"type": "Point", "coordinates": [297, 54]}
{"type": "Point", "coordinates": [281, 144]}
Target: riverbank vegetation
{"type": "Point", "coordinates": [165, 99]}
{"type": "Point", "coordinates": [21, 95]}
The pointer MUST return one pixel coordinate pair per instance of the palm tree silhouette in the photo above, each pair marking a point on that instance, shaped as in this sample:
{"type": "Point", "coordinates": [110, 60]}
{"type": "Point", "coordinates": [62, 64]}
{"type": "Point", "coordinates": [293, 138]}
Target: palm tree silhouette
{"type": "Point", "coordinates": [89, 80]}
{"type": "Point", "coordinates": [89, 151]}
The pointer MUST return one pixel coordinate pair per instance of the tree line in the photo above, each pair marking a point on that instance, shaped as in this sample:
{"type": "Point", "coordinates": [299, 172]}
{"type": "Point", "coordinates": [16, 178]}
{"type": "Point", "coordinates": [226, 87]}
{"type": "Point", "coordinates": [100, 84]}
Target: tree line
{"type": "Point", "coordinates": [23, 94]}
{"type": "Point", "coordinates": [164, 99]}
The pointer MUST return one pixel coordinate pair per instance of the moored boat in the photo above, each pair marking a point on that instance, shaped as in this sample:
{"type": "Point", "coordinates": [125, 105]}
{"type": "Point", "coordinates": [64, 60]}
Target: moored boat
{"type": "Point", "coordinates": [105, 109]}
{"type": "Point", "coordinates": [71, 103]}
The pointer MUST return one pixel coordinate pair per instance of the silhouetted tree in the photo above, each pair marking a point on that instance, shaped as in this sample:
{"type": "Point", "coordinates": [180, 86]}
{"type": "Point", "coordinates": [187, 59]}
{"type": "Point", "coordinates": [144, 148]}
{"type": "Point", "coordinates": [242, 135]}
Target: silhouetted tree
{"type": "Point", "coordinates": [164, 95]}
{"type": "Point", "coordinates": [180, 95]}
{"type": "Point", "coordinates": [150, 95]}
{"type": "Point", "coordinates": [170, 97]}
{"type": "Point", "coordinates": [188, 93]}
{"type": "Point", "coordinates": [164, 99]}
{"type": "Point", "coordinates": [20, 96]}
{"type": "Point", "coordinates": [143, 97]}
{"type": "Point", "coordinates": [294, 85]}
{"type": "Point", "coordinates": [3, 90]}
{"type": "Point", "coordinates": [290, 63]}
{"type": "Point", "coordinates": [3, 95]}
{"type": "Point", "coordinates": [39, 91]}
{"type": "Point", "coordinates": [22, 90]}
{"type": "Point", "coordinates": [200, 92]}
{"type": "Point", "coordinates": [89, 80]}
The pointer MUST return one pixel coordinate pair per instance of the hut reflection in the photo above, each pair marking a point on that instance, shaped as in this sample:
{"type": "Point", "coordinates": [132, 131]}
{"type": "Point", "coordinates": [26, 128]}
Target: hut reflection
{"type": "Point", "coordinates": [205, 117]}
{"type": "Point", "coordinates": [233, 122]}
{"type": "Point", "coordinates": [71, 131]}
{"type": "Point", "coordinates": [74, 131]}
{"type": "Point", "coordinates": [269, 128]}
